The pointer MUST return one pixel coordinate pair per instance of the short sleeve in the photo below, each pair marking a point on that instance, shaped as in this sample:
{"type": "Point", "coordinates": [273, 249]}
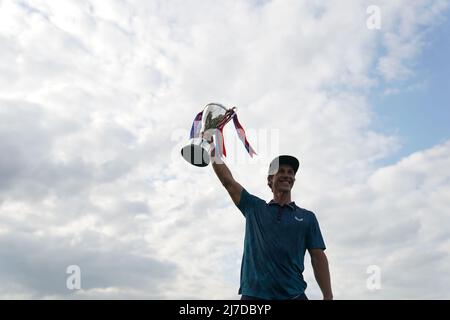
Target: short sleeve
{"type": "Point", "coordinates": [314, 239]}
{"type": "Point", "coordinates": [247, 203]}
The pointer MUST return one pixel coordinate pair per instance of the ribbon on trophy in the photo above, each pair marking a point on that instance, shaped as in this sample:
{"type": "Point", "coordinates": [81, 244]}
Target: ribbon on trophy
{"type": "Point", "coordinates": [241, 134]}
{"type": "Point", "coordinates": [220, 141]}
{"type": "Point", "coordinates": [196, 126]}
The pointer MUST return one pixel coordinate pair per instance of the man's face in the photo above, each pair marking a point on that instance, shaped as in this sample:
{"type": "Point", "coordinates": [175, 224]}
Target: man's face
{"type": "Point", "coordinates": [283, 180]}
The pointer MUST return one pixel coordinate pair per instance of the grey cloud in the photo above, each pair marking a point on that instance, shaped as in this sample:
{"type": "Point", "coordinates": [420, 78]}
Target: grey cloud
{"type": "Point", "coordinates": [28, 135]}
{"type": "Point", "coordinates": [40, 263]}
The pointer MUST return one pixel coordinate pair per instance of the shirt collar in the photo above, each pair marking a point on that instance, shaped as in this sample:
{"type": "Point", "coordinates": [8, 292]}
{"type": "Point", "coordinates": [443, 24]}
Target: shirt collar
{"type": "Point", "coordinates": [290, 204]}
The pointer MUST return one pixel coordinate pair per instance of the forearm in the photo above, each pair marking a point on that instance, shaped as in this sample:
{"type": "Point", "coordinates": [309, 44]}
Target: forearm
{"type": "Point", "coordinates": [222, 171]}
{"type": "Point", "coordinates": [322, 275]}
{"type": "Point", "coordinates": [226, 178]}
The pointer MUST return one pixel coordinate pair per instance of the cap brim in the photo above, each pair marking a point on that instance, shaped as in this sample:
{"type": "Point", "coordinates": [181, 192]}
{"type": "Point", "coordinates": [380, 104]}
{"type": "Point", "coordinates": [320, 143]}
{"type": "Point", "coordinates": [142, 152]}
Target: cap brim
{"type": "Point", "coordinates": [283, 159]}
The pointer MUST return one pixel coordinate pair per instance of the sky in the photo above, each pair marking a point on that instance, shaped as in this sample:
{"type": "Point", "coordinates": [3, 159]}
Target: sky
{"type": "Point", "coordinates": [423, 100]}
{"type": "Point", "coordinates": [97, 98]}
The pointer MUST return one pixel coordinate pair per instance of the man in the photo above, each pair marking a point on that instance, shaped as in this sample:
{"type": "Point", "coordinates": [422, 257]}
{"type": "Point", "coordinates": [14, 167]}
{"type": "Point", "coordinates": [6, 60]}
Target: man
{"type": "Point", "coordinates": [277, 235]}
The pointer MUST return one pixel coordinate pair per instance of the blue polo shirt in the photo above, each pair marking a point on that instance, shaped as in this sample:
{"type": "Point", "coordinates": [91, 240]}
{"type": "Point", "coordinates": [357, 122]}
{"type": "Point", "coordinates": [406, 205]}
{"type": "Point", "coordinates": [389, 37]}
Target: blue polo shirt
{"type": "Point", "coordinates": [276, 239]}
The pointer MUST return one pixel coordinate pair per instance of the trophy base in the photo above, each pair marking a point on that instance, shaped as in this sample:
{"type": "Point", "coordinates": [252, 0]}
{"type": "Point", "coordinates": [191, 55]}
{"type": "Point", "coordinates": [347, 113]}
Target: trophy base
{"type": "Point", "coordinates": [197, 152]}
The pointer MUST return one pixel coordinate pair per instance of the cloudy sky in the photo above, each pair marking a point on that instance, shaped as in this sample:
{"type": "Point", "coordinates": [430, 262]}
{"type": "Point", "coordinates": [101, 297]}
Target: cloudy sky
{"type": "Point", "coordinates": [97, 97]}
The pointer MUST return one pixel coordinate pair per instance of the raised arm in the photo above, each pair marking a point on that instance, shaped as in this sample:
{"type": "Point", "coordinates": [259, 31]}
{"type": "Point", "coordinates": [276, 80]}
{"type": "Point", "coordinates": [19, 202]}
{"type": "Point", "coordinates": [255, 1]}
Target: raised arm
{"type": "Point", "coordinates": [226, 178]}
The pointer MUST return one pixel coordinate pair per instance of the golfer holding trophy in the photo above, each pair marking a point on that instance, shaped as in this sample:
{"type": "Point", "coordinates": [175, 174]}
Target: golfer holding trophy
{"type": "Point", "coordinates": [278, 232]}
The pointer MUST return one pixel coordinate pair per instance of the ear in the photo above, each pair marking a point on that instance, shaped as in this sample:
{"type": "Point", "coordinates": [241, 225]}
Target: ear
{"type": "Point", "coordinates": [269, 181]}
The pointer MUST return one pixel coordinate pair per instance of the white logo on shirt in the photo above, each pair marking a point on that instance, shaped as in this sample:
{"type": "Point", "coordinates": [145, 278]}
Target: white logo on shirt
{"type": "Point", "coordinates": [298, 219]}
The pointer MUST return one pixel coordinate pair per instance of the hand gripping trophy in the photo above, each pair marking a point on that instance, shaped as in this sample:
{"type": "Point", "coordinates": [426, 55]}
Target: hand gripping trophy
{"type": "Point", "coordinates": [210, 122]}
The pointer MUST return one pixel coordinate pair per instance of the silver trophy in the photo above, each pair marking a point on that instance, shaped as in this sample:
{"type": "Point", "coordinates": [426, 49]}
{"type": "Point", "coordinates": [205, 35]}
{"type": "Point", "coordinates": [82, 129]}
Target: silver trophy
{"type": "Point", "coordinates": [209, 122]}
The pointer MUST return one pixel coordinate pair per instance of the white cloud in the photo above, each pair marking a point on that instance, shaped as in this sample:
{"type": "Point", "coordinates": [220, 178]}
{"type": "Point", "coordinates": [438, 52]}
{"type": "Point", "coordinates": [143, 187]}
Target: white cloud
{"type": "Point", "coordinates": [96, 99]}
{"type": "Point", "coordinates": [398, 221]}
{"type": "Point", "coordinates": [406, 26]}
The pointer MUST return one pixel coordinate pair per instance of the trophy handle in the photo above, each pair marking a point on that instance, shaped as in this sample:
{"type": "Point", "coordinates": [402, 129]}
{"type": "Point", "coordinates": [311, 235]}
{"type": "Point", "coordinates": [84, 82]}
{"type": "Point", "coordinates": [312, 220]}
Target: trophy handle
{"type": "Point", "coordinates": [228, 115]}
